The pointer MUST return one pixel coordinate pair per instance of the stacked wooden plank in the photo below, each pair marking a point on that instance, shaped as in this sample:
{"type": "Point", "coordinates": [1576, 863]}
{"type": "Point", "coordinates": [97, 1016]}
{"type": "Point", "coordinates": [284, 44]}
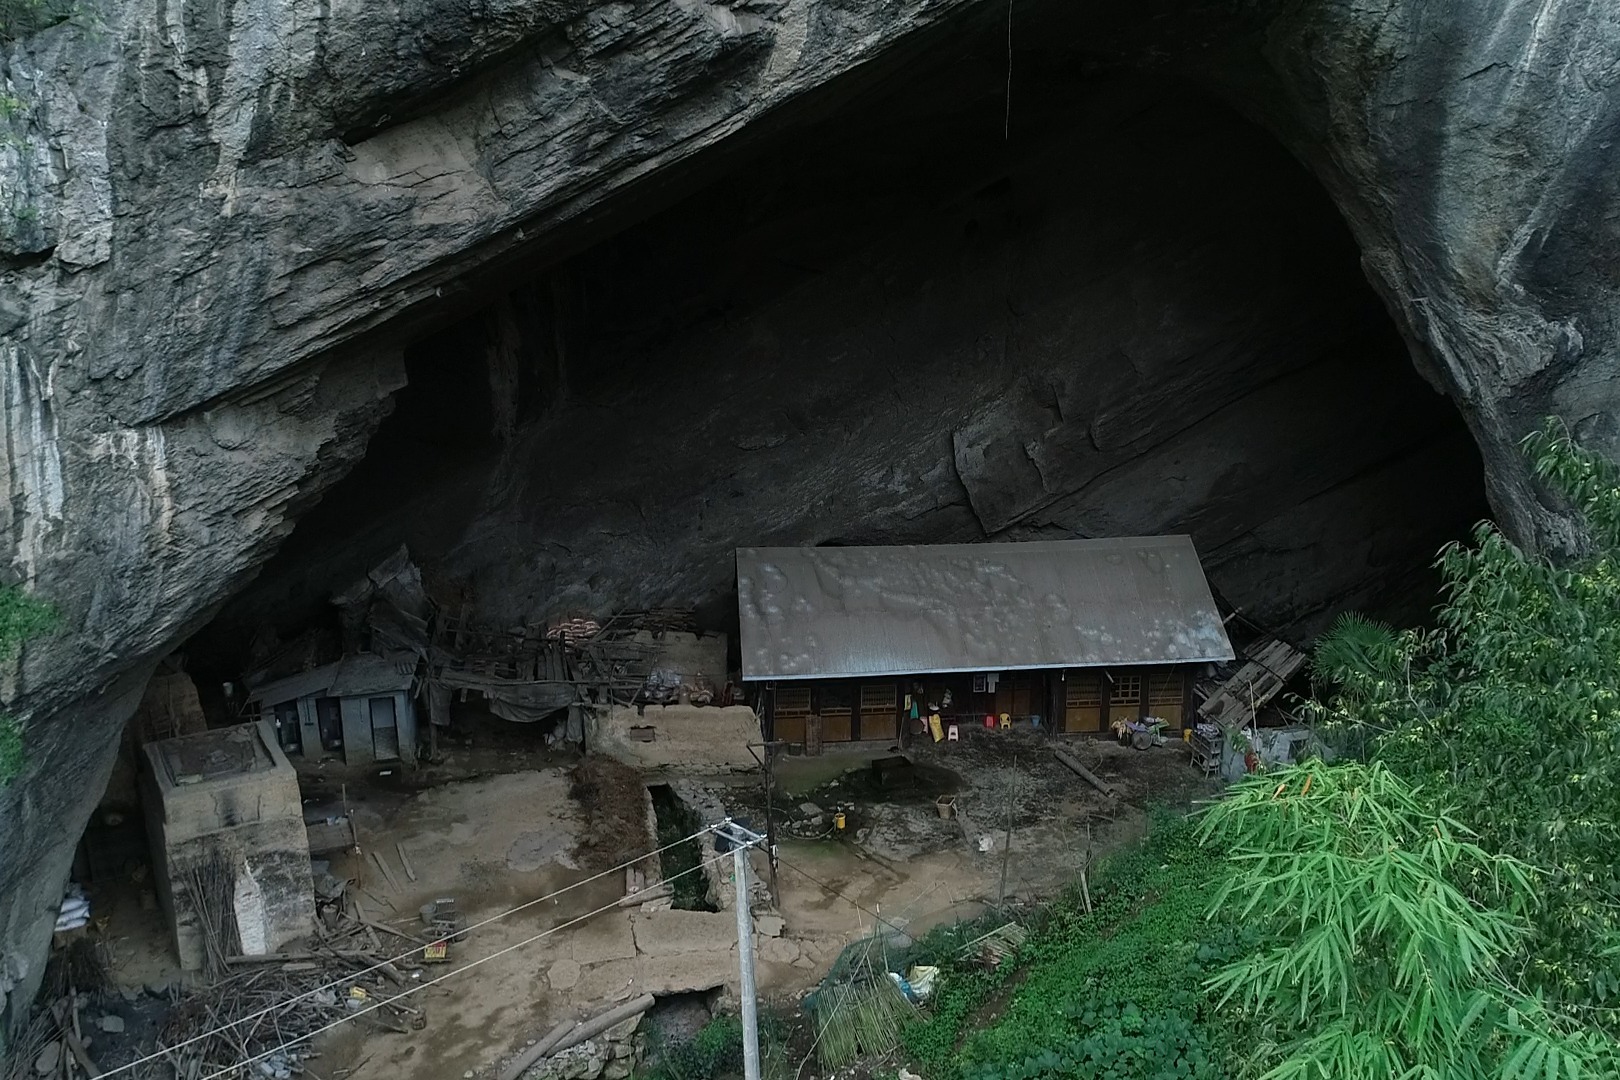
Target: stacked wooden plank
{"type": "Point", "coordinates": [1266, 669]}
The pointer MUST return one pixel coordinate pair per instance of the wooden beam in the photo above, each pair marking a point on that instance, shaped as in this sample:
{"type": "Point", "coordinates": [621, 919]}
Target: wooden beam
{"type": "Point", "coordinates": [1072, 763]}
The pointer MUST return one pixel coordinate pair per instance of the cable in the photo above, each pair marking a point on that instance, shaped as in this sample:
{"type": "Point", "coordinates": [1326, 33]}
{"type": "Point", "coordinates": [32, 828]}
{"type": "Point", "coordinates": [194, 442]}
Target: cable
{"type": "Point", "coordinates": [449, 974]}
{"type": "Point", "coordinates": [165, 1051]}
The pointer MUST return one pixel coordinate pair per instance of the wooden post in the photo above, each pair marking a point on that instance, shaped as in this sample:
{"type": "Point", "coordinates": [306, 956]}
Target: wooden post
{"type": "Point", "coordinates": [1006, 852]}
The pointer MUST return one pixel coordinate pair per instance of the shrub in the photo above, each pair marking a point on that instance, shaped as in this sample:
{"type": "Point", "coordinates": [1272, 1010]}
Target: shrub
{"type": "Point", "coordinates": [1511, 706]}
{"type": "Point", "coordinates": [1380, 961]}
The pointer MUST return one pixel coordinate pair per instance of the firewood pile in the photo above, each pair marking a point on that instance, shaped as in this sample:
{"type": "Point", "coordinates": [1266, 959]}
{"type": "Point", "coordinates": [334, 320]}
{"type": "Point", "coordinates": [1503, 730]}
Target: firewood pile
{"type": "Point", "coordinates": [259, 1004]}
{"type": "Point", "coordinates": [265, 1003]}
{"type": "Point", "coordinates": [240, 1022]}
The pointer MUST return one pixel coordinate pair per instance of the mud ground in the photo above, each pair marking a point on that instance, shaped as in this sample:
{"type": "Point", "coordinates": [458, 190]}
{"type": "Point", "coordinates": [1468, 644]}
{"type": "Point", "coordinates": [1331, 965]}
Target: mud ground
{"type": "Point", "coordinates": [496, 826]}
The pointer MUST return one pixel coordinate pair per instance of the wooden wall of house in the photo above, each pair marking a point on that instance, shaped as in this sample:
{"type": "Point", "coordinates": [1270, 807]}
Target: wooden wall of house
{"type": "Point", "coordinates": [815, 712]}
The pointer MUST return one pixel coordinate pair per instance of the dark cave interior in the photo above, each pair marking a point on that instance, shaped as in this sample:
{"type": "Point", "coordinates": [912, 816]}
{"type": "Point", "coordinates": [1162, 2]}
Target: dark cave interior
{"type": "Point", "coordinates": [1118, 309]}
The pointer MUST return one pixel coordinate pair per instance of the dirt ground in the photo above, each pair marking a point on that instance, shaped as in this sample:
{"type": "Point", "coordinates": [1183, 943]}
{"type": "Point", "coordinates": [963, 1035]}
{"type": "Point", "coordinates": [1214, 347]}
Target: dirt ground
{"type": "Point", "coordinates": [497, 826]}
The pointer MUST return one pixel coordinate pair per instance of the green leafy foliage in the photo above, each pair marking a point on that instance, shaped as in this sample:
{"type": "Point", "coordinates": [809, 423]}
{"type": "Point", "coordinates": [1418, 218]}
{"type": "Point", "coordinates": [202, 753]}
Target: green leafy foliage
{"type": "Point", "coordinates": [1511, 706]}
{"type": "Point", "coordinates": [19, 18]}
{"type": "Point", "coordinates": [21, 617]}
{"type": "Point", "coordinates": [1119, 1042]}
{"type": "Point", "coordinates": [716, 1051]}
{"type": "Point", "coordinates": [1113, 992]}
{"type": "Point", "coordinates": [1358, 653]}
{"type": "Point", "coordinates": [1386, 929]}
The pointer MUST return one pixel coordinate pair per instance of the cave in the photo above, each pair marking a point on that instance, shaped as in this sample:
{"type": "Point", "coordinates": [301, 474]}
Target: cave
{"type": "Point", "coordinates": [925, 312]}
{"type": "Point", "coordinates": [573, 304]}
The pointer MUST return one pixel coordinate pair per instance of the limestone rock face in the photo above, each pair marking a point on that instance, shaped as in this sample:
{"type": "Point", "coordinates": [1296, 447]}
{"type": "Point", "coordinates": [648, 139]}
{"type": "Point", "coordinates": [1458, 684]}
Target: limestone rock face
{"type": "Point", "coordinates": [1469, 146]}
{"type": "Point", "coordinates": [223, 225]}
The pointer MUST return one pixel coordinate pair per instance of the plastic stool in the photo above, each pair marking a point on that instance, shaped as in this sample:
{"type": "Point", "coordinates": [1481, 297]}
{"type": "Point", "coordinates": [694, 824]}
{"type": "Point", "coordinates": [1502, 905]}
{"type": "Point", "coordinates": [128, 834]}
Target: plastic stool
{"type": "Point", "coordinates": [989, 721]}
{"type": "Point", "coordinates": [952, 735]}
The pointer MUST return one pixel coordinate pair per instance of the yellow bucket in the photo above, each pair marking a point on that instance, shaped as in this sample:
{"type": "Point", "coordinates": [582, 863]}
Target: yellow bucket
{"type": "Point", "coordinates": [838, 822]}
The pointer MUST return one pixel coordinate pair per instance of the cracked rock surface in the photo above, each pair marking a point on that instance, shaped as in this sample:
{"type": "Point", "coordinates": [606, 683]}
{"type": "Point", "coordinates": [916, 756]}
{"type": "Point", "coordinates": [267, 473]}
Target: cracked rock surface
{"type": "Point", "coordinates": [229, 233]}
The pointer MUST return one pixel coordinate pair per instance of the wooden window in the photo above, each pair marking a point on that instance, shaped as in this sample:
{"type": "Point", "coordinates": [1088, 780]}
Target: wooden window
{"type": "Point", "coordinates": [837, 699]}
{"type": "Point", "coordinates": [1127, 690]}
{"type": "Point", "coordinates": [793, 701]}
{"type": "Point", "coordinates": [1165, 688]}
{"type": "Point", "coordinates": [878, 698]}
{"type": "Point", "coordinates": [1082, 691]}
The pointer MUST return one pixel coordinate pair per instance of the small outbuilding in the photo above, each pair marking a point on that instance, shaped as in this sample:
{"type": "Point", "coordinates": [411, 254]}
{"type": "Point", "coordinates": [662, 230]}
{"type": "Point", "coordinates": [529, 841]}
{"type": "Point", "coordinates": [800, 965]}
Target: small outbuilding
{"type": "Point", "coordinates": [863, 643]}
{"type": "Point", "coordinates": [361, 708]}
{"type": "Point", "coordinates": [229, 848]}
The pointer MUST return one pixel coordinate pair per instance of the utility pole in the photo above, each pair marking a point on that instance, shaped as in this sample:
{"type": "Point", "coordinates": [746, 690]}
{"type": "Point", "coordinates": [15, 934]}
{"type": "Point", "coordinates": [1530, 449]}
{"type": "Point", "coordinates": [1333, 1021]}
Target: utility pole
{"type": "Point", "coordinates": [765, 757]}
{"type": "Point", "coordinates": [742, 840]}
{"type": "Point", "coordinates": [1006, 847]}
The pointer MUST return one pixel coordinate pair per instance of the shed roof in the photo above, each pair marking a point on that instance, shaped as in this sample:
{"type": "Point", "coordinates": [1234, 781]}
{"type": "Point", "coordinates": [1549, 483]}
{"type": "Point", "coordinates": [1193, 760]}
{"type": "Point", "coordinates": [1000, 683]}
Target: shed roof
{"type": "Point", "coordinates": [355, 675]}
{"type": "Point", "coordinates": [840, 612]}
{"type": "Point", "coordinates": [373, 673]}
{"type": "Point", "coordinates": [291, 687]}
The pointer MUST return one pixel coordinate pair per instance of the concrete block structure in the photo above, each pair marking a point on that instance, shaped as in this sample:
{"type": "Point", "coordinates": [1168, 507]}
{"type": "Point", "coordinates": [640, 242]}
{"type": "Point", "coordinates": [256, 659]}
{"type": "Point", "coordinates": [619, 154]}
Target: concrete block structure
{"type": "Point", "coordinates": [225, 803]}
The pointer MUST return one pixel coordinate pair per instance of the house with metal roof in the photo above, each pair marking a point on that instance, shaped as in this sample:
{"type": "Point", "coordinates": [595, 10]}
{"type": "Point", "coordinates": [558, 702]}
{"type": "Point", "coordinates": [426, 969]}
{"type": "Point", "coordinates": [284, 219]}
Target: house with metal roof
{"type": "Point", "coordinates": [360, 708]}
{"type": "Point", "coordinates": [868, 643]}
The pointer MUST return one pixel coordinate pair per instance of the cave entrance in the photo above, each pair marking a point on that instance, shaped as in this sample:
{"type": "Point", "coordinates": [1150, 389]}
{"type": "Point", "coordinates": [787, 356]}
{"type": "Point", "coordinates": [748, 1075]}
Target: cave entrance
{"type": "Point", "coordinates": [907, 319]}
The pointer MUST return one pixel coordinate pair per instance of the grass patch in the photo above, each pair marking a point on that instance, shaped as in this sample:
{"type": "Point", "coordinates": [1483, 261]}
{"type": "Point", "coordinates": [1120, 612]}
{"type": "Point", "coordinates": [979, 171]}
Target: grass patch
{"type": "Point", "coordinates": [21, 617]}
{"type": "Point", "coordinates": [1116, 992]}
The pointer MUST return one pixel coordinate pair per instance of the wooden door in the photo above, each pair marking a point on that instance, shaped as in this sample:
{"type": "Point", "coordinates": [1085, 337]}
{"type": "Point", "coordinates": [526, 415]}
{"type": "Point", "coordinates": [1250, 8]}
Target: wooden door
{"type": "Point", "coordinates": [837, 710]}
{"type": "Point", "coordinates": [1167, 696]}
{"type": "Point", "coordinates": [880, 710]}
{"type": "Point", "coordinates": [790, 709]}
{"type": "Point", "coordinates": [1018, 694]}
{"type": "Point", "coordinates": [1082, 701]}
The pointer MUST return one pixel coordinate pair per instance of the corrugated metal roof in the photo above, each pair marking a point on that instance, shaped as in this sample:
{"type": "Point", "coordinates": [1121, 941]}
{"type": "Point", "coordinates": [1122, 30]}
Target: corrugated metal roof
{"type": "Point", "coordinates": [371, 673]}
{"type": "Point", "coordinates": [291, 687]}
{"type": "Point", "coordinates": [865, 611]}
{"type": "Point", "coordinates": [355, 675]}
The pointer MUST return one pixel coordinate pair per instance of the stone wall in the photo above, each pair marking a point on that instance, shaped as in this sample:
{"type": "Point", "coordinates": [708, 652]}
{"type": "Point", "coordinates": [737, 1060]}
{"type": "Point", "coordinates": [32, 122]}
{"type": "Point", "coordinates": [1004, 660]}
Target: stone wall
{"type": "Point", "coordinates": [687, 738]}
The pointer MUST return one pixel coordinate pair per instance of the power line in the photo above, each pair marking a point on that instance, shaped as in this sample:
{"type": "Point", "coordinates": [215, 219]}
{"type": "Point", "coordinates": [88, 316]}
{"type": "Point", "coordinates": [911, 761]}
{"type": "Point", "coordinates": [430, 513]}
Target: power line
{"type": "Point", "coordinates": [167, 1050]}
{"type": "Point", "coordinates": [447, 975]}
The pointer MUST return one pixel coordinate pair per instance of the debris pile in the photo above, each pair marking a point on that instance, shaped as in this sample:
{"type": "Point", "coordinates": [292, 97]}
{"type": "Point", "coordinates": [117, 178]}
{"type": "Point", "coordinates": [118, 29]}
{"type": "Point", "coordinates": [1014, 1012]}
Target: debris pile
{"type": "Point", "coordinates": [606, 1046]}
{"type": "Point", "coordinates": [256, 1008]}
{"type": "Point", "coordinates": [271, 1001]}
